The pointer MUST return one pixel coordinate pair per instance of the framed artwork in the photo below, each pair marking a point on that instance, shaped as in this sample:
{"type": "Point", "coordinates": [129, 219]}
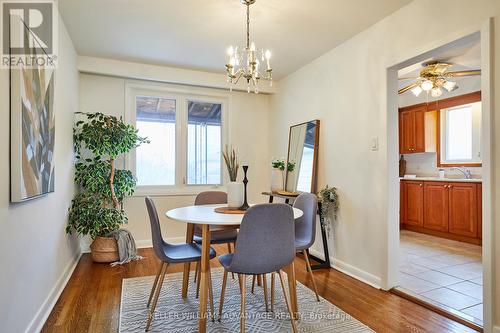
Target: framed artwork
{"type": "Point", "coordinates": [32, 130]}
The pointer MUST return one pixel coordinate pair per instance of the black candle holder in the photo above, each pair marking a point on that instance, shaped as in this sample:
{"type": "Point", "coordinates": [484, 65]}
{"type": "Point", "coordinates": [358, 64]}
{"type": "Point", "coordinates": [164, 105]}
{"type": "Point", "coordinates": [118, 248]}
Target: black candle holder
{"type": "Point", "coordinates": [245, 205]}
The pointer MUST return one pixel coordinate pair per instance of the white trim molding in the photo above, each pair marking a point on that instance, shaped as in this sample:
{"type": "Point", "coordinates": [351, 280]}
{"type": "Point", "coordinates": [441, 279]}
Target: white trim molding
{"type": "Point", "coordinates": [43, 313]}
{"type": "Point", "coordinates": [350, 270]}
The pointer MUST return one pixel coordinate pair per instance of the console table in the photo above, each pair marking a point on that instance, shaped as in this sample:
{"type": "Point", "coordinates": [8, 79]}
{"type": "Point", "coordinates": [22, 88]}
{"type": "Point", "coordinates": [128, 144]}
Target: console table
{"type": "Point", "coordinates": [289, 200]}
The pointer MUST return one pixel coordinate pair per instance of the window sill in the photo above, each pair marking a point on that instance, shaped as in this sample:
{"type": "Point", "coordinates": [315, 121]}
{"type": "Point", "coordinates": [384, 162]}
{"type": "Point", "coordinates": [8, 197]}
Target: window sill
{"type": "Point", "coordinates": [143, 191]}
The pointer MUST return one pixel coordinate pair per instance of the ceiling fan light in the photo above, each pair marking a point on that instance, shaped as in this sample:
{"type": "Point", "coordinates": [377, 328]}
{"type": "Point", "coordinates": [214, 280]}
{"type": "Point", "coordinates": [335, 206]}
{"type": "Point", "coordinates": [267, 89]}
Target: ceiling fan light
{"type": "Point", "coordinates": [416, 91]}
{"type": "Point", "coordinates": [436, 92]}
{"type": "Point", "coordinates": [427, 85]}
{"type": "Point", "coordinates": [449, 85]}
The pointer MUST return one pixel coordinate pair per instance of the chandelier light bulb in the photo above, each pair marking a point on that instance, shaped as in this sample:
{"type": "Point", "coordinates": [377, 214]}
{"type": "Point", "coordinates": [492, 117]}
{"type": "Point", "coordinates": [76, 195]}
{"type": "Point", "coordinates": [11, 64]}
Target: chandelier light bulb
{"type": "Point", "coordinates": [449, 85]}
{"type": "Point", "coordinates": [427, 85]}
{"type": "Point", "coordinates": [436, 92]}
{"type": "Point", "coordinates": [252, 47]}
{"type": "Point", "coordinates": [230, 51]}
{"type": "Point", "coordinates": [268, 54]}
{"type": "Point", "coordinates": [416, 91]}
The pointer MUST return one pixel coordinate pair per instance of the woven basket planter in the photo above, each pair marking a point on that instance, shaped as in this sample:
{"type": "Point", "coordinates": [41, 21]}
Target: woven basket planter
{"type": "Point", "coordinates": [104, 249]}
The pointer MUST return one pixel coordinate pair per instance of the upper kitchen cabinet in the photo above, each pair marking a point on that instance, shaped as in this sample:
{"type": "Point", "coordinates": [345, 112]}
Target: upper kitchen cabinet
{"type": "Point", "coordinates": [417, 129]}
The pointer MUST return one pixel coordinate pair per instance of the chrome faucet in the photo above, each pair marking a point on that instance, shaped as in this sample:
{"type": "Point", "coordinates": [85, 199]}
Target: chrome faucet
{"type": "Point", "coordinates": [465, 171]}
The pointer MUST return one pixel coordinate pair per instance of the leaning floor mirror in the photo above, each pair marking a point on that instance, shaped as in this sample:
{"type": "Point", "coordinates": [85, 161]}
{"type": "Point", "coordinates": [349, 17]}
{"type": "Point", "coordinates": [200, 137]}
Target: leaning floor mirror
{"type": "Point", "coordinates": [302, 157]}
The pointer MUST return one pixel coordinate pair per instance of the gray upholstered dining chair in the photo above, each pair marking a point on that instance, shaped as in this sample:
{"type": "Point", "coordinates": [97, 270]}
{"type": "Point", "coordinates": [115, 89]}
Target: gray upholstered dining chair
{"type": "Point", "coordinates": [218, 234]}
{"type": "Point", "coordinates": [170, 254]}
{"type": "Point", "coordinates": [305, 229]}
{"type": "Point", "coordinates": [265, 244]}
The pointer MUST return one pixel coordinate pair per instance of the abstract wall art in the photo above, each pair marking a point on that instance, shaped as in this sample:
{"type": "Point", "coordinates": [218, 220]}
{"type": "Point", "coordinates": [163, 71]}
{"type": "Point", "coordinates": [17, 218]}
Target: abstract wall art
{"type": "Point", "coordinates": [32, 131]}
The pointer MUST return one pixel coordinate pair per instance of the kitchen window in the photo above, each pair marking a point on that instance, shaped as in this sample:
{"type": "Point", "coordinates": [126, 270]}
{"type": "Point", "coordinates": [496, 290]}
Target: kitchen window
{"type": "Point", "coordinates": [461, 134]}
{"type": "Point", "coordinates": [186, 131]}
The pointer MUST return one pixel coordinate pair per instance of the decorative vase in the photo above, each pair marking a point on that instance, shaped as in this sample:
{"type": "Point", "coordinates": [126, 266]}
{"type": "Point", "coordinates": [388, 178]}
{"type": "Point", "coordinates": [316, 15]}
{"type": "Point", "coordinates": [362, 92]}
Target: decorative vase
{"type": "Point", "coordinates": [104, 249]}
{"type": "Point", "coordinates": [235, 194]}
{"type": "Point", "coordinates": [276, 180]}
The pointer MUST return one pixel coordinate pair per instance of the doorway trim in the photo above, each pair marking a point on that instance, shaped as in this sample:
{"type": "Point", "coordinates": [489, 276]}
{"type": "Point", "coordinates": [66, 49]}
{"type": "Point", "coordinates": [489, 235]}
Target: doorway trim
{"type": "Point", "coordinates": [390, 278]}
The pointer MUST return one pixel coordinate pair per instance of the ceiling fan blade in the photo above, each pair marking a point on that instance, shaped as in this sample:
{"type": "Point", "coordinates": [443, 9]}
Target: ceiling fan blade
{"type": "Point", "coordinates": [464, 73]}
{"type": "Point", "coordinates": [409, 87]}
{"type": "Point", "coordinates": [440, 67]}
{"type": "Point", "coordinates": [408, 78]}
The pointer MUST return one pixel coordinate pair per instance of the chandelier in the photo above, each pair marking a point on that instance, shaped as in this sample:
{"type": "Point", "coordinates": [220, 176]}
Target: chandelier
{"type": "Point", "coordinates": [434, 85]}
{"type": "Point", "coordinates": [246, 62]}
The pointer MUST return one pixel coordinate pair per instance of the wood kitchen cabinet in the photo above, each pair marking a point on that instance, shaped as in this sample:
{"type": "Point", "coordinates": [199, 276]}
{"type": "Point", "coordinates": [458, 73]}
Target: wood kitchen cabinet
{"type": "Point", "coordinates": [436, 206]}
{"type": "Point", "coordinates": [417, 129]}
{"type": "Point", "coordinates": [413, 194]}
{"type": "Point", "coordinates": [444, 209]}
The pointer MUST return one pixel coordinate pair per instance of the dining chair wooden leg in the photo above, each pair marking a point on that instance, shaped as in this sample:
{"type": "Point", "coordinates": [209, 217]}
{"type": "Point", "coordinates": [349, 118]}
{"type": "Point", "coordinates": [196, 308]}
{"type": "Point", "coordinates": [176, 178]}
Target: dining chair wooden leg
{"type": "Point", "coordinates": [294, 325]}
{"type": "Point", "coordinates": [229, 251]}
{"type": "Point", "coordinates": [264, 283]}
{"type": "Point", "coordinates": [311, 274]}
{"type": "Point", "coordinates": [211, 294]}
{"type": "Point", "coordinates": [156, 296]}
{"type": "Point", "coordinates": [196, 270]}
{"type": "Point", "coordinates": [222, 292]}
{"type": "Point", "coordinates": [253, 283]}
{"type": "Point", "coordinates": [198, 283]}
{"type": "Point", "coordinates": [239, 282]}
{"type": "Point", "coordinates": [259, 280]}
{"type": "Point", "coordinates": [272, 292]}
{"type": "Point", "coordinates": [187, 265]}
{"type": "Point", "coordinates": [154, 284]}
{"type": "Point", "coordinates": [242, 305]}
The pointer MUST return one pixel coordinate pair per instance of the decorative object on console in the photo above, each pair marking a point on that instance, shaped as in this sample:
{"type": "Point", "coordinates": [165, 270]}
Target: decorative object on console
{"type": "Point", "coordinates": [234, 188]}
{"type": "Point", "coordinates": [97, 208]}
{"type": "Point", "coordinates": [245, 205]}
{"type": "Point", "coordinates": [32, 131]}
{"type": "Point", "coordinates": [278, 175]}
{"type": "Point", "coordinates": [245, 61]}
{"type": "Point", "coordinates": [329, 206]}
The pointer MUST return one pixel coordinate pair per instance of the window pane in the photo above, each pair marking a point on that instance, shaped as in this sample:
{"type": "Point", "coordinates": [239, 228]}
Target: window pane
{"type": "Point", "coordinates": [459, 134]}
{"type": "Point", "coordinates": [155, 162]}
{"type": "Point", "coordinates": [204, 143]}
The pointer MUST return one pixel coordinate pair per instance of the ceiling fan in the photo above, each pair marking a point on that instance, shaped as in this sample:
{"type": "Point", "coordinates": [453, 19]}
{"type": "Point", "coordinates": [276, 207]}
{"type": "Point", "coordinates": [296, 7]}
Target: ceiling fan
{"type": "Point", "coordinates": [433, 77]}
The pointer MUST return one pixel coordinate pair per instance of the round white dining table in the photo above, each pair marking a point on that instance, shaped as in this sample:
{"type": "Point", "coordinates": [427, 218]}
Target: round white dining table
{"type": "Point", "coordinates": [204, 216]}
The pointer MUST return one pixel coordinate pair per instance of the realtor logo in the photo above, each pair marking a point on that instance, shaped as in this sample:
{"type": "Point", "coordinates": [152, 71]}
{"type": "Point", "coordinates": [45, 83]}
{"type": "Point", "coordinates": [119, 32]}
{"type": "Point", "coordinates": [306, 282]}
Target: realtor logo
{"type": "Point", "coordinates": [28, 34]}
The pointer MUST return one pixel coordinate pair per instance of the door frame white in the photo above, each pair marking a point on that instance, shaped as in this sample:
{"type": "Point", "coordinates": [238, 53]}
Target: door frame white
{"type": "Point", "coordinates": [390, 279]}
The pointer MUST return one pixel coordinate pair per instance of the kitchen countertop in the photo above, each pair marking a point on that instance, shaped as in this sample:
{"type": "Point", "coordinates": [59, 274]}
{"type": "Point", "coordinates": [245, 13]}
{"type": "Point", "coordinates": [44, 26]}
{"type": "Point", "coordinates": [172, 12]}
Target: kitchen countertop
{"type": "Point", "coordinates": [437, 179]}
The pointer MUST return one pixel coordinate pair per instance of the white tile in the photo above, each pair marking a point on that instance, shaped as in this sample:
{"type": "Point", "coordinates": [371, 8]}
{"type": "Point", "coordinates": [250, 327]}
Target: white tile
{"type": "Point", "coordinates": [477, 281]}
{"type": "Point", "coordinates": [475, 311]}
{"type": "Point", "coordinates": [411, 268]}
{"type": "Point", "coordinates": [469, 289]}
{"type": "Point", "coordinates": [451, 298]}
{"type": "Point", "coordinates": [430, 263]}
{"type": "Point", "coordinates": [466, 271]}
{"type": "Point", "coordinates": [456, 259]}
{"type": "Point", "coordinates": [415, 284]}
{"type": "Point", "coordinates": [438, 278]}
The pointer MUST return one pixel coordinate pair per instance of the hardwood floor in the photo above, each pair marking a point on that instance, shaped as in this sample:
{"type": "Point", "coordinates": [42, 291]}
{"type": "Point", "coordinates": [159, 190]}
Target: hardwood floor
{"type": "Point", "coordinates": [91, 300]}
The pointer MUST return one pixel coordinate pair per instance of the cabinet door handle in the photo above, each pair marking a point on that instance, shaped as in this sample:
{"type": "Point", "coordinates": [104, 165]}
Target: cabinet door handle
{"type": "Point", "coordinates": [450, 186]}
{"type": "Point", "coordinates": [445, 186]}
{"type": "Point", "coordinates": [420, 184]}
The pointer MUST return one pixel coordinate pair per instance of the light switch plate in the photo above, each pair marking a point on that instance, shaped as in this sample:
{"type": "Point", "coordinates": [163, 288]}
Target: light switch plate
{"type": "Point", "coordinates": [374, 143]}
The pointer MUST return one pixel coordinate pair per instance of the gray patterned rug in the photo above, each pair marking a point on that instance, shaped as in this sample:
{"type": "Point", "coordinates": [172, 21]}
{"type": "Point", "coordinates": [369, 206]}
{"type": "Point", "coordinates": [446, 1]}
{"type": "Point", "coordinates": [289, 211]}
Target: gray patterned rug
{"type": "Point", "coordinates": [175, 315]}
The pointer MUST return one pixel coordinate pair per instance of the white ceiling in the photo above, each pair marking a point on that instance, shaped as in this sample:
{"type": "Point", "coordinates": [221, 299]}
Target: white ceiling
{"type": "Point", "coordinates": [195, 34]}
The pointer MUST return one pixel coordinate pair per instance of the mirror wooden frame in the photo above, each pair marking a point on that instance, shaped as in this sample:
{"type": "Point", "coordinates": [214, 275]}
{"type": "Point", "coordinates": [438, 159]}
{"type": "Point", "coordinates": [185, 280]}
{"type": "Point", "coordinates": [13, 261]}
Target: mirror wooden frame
{"type": "Point", "coordinates": [314, 181]}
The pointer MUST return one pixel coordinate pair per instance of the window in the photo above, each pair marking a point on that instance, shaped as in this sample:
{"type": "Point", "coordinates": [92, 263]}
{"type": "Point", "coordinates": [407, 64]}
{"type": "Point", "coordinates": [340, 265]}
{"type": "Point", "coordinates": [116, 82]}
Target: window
{"type": "Point", "coordinates": [461, 134]}
{"type": "Point", "coordinates": [204, 143]}
{"type": "Point", "coordinates": [186, 138]}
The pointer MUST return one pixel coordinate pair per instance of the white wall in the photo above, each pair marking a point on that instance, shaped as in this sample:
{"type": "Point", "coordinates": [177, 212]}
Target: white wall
{"type": "Point", "coordinates": [346, 89]}
{"type": "Point", "coordinates": [36, 254]}
{"type": "Point", "coordinates": [248, 134]}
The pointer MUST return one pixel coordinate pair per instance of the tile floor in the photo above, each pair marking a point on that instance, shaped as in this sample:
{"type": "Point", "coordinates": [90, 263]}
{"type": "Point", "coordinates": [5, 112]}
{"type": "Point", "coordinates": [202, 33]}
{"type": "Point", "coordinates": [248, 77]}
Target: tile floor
{"type": "Point", "coordinates": [443, 272]}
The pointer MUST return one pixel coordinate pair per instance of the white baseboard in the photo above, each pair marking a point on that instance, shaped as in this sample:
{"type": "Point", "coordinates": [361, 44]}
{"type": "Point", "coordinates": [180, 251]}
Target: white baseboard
{"type": "Point", "coordinates": [43, 313]}
{"type": "Point", "coordinates": [350, 270]}
{"type": "Point", "coordinates": [141, 244]}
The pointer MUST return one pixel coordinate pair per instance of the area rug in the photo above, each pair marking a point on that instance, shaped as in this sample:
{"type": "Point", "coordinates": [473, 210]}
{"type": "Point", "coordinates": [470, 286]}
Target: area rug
{"type": "Point", "coordinates": [175, 315]}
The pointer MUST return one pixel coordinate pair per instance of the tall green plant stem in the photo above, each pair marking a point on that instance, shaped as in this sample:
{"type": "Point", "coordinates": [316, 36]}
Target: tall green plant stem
{"type": "Point", "coordinates": [112, 183]}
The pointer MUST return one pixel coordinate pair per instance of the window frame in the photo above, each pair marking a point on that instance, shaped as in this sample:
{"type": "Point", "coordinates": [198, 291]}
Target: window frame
{"type": "Point", "coordinates": [450, 103]}
{"type": "Point", "coordinates": [181, 96]}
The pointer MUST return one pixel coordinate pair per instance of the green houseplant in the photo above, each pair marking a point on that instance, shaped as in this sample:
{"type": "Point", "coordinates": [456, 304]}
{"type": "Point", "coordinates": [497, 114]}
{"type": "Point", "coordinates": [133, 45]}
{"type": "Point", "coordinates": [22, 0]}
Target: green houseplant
{"type": "Point", "coordinates": [97, 208]}
{"type": "Point", "coordinates": [278, 178]}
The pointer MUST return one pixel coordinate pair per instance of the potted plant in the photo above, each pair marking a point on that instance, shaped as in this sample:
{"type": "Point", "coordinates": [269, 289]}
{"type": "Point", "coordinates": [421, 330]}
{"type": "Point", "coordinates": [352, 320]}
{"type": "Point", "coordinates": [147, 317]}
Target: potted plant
{"type": "Point", "coordinates": [278, 176]}
{"type": "Point", "coordinates": [97, 208]}
{"type": "Point", "coordinates": [235, 190]}
{"type": "Point", "coordinates": [329, 206]}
